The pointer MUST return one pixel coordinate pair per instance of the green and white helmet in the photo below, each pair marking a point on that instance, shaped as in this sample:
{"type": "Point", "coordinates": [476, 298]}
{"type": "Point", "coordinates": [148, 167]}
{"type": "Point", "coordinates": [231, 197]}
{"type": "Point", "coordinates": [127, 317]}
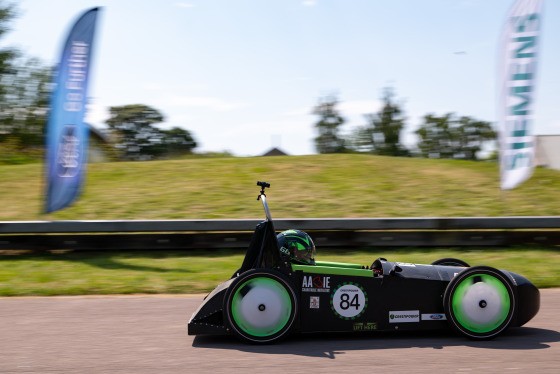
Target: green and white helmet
{"type": "Point", "coordinates": [298, 246]}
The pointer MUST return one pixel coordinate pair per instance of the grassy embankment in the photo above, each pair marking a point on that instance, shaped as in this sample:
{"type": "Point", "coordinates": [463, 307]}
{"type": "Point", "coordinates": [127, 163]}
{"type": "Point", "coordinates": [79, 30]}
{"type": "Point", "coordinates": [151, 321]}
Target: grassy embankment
{"type": "Point", "coordinates": [306, 187]}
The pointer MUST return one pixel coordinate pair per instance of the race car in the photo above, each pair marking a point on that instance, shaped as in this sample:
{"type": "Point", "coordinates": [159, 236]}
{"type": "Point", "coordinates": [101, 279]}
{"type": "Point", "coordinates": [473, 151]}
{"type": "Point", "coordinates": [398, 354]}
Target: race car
{"type": "Point", "coordinates": [280, 289]}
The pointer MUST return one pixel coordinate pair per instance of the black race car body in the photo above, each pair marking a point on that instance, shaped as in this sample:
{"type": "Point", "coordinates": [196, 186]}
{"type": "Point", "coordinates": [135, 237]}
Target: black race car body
{"type": "Point", "coordinates": [269, 297]}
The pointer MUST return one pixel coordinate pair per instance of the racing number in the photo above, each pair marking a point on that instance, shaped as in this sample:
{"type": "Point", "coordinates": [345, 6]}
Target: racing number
{"type": "Point", "coordinates": [345, 304]}
{"type": "Point", "coordinates": [348, 300]}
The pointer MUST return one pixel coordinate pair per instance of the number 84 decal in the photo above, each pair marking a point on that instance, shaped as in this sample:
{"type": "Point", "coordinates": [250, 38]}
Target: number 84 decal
{"type": "Point", "coordinates": [349, 300]}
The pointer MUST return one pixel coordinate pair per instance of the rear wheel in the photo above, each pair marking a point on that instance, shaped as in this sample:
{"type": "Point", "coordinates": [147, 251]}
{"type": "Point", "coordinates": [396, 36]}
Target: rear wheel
{"type": "Point", "coordinates": [450, 262]}
{"type": "Point", "coordinates": [480, 302]}
{"type": "Point", "coordinates": [261, 306]}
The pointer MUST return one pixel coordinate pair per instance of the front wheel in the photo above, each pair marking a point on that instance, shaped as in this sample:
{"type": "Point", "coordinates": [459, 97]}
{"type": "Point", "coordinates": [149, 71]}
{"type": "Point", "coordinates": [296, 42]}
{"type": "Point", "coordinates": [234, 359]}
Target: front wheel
{"type": "Point", "coordinates": [261, 306]}
{"type": "Point", "coordinates": [480, 302]}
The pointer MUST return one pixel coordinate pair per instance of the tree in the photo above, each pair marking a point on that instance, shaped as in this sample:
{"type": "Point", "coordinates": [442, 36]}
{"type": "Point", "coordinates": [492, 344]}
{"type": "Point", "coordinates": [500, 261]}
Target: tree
{"type": "Point", "coordinates": [24, 102]}
{"type": "Point", "coordinates": [7, 55]}
{"type": "Point", "coordinates": [7, 13]}
{"type": "Point", "coordinates": [133, 131]}
{"type": "Point", "coordinates": [452, 137]}
{"type": "Point", "coordinates": [137, 138]}
{"type": "Point", "coordinates": [178, 141]}
{"type": "Point", "coordinates": [381, 135]}
{"type": "Point", "coordinates": [328, 126]}
{"type": "Point", "coordinates": [24, 95]}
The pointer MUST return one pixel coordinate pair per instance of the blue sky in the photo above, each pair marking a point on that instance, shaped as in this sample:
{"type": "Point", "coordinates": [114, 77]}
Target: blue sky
{"type": "Point", "coordinates": [244, 75]}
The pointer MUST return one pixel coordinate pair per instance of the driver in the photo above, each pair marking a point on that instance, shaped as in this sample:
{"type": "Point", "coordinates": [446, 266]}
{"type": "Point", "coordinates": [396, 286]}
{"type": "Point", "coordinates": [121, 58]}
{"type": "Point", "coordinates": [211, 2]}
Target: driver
{"type": "Point", "coordinates": [298, 246]}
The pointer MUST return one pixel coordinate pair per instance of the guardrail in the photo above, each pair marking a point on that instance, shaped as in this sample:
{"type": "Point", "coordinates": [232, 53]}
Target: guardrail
{"type": "Point", "coordinates": [350, 232]}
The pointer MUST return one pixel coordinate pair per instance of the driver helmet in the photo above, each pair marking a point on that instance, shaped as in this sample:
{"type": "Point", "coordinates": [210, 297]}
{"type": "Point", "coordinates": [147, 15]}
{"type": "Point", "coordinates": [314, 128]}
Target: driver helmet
{"type": "Point", "coordinates": [298, 246]}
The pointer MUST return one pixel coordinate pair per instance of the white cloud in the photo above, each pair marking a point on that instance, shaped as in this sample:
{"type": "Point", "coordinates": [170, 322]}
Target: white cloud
{"type": "Point", "coordinates": [466, 4]}
{"type": "Point", "coordinates": [153, 86]}
{"type": "Point", "coordinates": [346, 108]}
{"type": "Point", "coordinates": [161, 87]}
{"type": "Point", "coordinates": [276, 127]}
{"type": "Point", "coordinates": [309, 3]}
{"type": "Point", "coordinates": [359, 107]}
{"type": "Point", "coordinates": [185, 5]}
{"type": "Point", "coordinates": [292, 136]}
{"type": "Point", "coordinates": [304, 111]}
{"type": "Point", "coordinates": [178, 119]}
{"type": "Point", "coordinates": [96, 114]}
{"type": "Point", "coordinates": [212, 103]}
{"type": "Point", "coordinates": [550, 128]}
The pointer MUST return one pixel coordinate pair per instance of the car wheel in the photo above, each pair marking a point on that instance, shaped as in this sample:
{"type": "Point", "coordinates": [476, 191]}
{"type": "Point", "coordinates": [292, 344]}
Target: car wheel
{"type": "Point", "coordinates": [450, 262]}
{"type": "Point", "coordinates": [261, 306]}
{"type": "Point", "coordinates": [480, 302]}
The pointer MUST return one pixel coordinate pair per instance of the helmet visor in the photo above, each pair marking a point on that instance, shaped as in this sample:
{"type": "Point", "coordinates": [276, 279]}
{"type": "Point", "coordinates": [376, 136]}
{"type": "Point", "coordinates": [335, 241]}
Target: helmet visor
{"type": "Point", "coordinates": [304, 254]}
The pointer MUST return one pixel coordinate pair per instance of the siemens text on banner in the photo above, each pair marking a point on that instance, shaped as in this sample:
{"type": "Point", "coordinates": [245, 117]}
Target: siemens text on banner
{"type": "Point", "coordinates": [518, 67]}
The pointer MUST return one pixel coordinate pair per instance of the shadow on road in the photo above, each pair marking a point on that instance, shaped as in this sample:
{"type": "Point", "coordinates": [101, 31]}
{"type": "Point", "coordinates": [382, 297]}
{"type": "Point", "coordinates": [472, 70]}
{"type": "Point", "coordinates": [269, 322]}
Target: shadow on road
{"type": "Point", "coordinates": [332, 345]}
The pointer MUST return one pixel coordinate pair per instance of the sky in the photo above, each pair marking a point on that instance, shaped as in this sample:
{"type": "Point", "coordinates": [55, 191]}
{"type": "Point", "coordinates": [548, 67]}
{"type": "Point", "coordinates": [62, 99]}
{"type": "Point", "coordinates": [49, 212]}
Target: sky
{"type": "Point", "coordinates": [244, 75]}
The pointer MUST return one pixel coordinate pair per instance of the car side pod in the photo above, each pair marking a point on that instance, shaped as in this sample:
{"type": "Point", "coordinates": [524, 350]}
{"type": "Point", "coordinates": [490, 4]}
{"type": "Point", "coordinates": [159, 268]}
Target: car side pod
{"type": "Point", "coordinates": [481, 302]}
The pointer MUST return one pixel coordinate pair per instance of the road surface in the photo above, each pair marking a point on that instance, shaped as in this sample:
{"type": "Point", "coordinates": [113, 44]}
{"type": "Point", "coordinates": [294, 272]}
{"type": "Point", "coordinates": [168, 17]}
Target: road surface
{"type": "Point", "coordinates": [148, 334]}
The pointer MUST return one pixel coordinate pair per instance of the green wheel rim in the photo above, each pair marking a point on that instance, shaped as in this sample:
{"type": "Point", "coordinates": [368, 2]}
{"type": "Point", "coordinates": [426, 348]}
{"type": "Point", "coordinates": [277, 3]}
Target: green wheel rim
{"type": "Point", "coordinates": [481, 303]}
{"type": "Point", "coordinates": [261, 306]}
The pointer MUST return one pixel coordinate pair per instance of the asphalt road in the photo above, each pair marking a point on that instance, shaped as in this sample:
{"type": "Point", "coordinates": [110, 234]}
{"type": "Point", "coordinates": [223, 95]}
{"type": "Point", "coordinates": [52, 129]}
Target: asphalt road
{"type": "Point", "coordinates": [148, 335]}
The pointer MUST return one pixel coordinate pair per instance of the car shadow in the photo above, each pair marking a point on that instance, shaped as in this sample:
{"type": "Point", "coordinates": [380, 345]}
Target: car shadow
{"type": "Point", "coordinates": [331, 345]}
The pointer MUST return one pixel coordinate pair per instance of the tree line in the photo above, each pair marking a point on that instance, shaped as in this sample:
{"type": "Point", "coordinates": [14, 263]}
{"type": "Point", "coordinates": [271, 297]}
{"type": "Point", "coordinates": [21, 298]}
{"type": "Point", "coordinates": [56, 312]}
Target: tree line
{"type": "Point", "coordinates": [25, 89]}
{"type": "Point", "coordinates": [448, 136]}
{"type": "Point", "coordinates": [133, 132]}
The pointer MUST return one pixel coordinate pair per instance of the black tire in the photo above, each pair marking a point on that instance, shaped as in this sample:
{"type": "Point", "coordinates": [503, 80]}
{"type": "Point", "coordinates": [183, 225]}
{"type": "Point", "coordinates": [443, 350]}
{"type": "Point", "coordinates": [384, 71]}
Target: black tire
{"type": "Point", "coordinates": [450, 262]}
{"type": "Point", "coordinates": [480, 302]}
{"type": "Point", "coordinates": [261, 306]}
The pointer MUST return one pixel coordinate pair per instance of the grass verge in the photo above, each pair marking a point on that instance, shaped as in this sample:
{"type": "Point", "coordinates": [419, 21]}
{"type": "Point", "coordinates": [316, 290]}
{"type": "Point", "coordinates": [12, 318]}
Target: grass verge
{"type": "Point", "coordinates": [87, 273]}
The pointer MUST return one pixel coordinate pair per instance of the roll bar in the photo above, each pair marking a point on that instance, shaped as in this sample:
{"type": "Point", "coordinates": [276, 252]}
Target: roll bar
{"type": "Point", "coordinates": [262, 197]}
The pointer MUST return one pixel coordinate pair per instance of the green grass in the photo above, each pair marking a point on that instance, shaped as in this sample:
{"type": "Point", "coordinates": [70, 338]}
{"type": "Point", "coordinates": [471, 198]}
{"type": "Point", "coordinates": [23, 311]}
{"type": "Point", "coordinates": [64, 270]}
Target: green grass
{"type": "Point", "coordinates": [78, 273]}
{"type": "Point", "coordinates": [317, 186]}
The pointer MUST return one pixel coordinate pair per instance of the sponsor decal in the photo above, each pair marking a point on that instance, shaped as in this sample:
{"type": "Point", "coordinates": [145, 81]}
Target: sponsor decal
{"type": "Point", "coordinates": [315, 284]}
{"type": "Point", "coordinates": [314, 302]}
{"type": "Point", "coordinates": [68, 157]}
{"type": "Point", "coordinates": [364, 326]}
{"type": "Point", "coordinates": [285, 251]}
{"type": "Point", "coordinates": [517, 87]}
{"type": "Point", "coordinates": [403, 316]}
{"type": "Point", "coordinates": [406, 264]}
{"type": "Point", "coordinates": [349, 300]}
{"type": "Point", "coordinates": [433, 317]}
